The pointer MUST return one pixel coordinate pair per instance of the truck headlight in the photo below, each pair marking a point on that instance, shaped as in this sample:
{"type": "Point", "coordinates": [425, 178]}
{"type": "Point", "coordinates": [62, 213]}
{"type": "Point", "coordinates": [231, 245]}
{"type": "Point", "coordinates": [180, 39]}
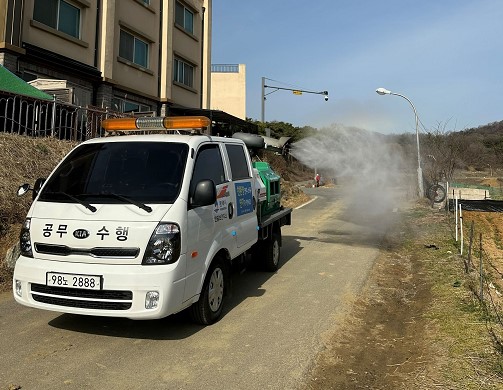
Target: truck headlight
{"type": "Point", "coordinates": [164, 245]}
{"type": "Point", "coordinates": [19, 288]}
{"type": "Point", "coordinates": [151, 300]}
{"type": "Point", "coordinates": [25, 239]}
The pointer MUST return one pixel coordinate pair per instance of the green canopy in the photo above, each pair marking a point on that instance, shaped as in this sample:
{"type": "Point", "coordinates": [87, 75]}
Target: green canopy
{"type": "Point", "coordinates": [9, 82]}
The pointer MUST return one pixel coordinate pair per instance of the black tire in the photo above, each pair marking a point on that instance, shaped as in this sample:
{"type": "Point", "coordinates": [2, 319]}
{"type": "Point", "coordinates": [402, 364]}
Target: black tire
{"type": "Point", "coordinates": [436, 193]}
{"type": "Point", "coordinates": [271, 253]}
{"type": "Point", "coordinates": [208, 309]}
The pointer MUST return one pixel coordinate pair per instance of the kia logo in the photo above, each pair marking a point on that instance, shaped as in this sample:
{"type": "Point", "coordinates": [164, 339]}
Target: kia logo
{"type": "Point", "coordinates": [81, 233]}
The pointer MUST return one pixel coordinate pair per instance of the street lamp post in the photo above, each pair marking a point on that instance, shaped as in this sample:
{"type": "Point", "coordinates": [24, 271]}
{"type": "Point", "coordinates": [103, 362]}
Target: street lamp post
{"type": "Point", "coordinates": [295, 91]}
{"type": "Point", "coordinates": [384, 91]}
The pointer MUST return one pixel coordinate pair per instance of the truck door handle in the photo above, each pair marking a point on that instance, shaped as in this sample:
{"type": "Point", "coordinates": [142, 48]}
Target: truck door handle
{"type": "Point", "coordinates": [231, 210]}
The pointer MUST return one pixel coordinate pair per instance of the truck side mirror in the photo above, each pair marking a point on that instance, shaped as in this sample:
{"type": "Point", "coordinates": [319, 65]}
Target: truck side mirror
{"type": "Point", "coordinates": [204, 194]}
{"type": "Point", "coordinates": [23, 189]}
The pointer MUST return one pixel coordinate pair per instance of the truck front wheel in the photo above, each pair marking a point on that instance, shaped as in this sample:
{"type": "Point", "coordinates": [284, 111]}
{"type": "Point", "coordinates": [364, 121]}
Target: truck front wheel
{"type": "Point", "coordinates": [208, 309]}
{"type": "Point", "coordinates": [271, 253]}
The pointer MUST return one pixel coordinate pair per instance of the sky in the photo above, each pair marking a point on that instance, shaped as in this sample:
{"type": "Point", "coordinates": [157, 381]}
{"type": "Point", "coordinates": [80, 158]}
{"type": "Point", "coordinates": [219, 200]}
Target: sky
{"type": "Point", "coordinates": [445, 56]}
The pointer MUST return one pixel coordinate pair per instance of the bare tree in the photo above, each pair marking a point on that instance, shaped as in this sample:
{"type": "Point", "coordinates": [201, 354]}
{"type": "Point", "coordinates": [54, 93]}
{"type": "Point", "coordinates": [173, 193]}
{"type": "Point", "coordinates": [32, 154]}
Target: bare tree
{"type": "Point", "coordinates": [443, 151]}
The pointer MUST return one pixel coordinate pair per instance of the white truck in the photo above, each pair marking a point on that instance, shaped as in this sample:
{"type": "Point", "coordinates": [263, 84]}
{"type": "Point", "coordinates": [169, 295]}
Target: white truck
{"type": "Point", "coordinates": [145, 226]}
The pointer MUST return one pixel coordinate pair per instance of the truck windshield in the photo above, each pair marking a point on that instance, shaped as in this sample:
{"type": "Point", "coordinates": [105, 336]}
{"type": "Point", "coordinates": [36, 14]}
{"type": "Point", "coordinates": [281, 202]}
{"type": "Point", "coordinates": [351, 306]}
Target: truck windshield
{"type": "Point", "coordinates": [142, 172]}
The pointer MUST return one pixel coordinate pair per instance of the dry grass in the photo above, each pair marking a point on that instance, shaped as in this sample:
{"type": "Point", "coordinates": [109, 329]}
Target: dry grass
{"type": "Point", "coordinates": [465, 357]}
{"type": "Point", "coordinates": [417, 325]}
{"type": "Point", "coordinates": [289, 169]}
{"type": "Point", "coordinates": [291, 172]}
{"type": "Point", "coordinates": [22, 160]}
{"type": "Point", "coordinates": [292, 195]}
{"type": "Point", "coordinates": [7, 241]}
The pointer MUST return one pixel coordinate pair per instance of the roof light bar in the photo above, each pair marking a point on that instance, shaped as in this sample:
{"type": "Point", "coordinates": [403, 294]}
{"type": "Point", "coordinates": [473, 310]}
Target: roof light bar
{"type": "Point", "coordinates": [156, 123]}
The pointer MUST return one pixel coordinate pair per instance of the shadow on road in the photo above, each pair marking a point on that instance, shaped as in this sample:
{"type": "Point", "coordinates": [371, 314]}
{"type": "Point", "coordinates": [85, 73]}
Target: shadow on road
{"type": "Point", "coordinates": [246, 281]}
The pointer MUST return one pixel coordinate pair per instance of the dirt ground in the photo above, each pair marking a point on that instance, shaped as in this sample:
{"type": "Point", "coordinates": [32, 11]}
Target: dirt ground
{"type": "Point", "coordinates": [381, 344]}
{"type": "Point", "coordinates": [391, 339]}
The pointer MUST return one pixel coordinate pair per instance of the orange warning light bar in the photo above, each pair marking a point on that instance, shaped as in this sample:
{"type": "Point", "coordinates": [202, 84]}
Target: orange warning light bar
{"type": "Point", "coordinates": [119, 124]}
{"type": "Point", "coordinates": [156, 123]}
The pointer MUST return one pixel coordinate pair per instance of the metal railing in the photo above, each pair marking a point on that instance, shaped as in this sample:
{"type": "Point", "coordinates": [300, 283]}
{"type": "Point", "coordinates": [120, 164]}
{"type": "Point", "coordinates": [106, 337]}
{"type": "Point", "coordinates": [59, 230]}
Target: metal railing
{"type": "Point", "coordinates": [225, 68]}
{"type": "Point", "coordinates": [41, 118]}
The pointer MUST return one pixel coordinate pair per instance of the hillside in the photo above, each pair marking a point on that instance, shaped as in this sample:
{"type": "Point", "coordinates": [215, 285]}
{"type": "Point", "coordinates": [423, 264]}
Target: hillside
{"type": "Point", "coordinates": [23, 160]}
{"type": "Point", "coordinates": [480, 147]}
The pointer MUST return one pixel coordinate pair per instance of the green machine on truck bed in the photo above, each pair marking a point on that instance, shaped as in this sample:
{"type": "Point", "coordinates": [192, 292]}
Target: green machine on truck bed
{"type": "Point", "coordinates": [272, 184]}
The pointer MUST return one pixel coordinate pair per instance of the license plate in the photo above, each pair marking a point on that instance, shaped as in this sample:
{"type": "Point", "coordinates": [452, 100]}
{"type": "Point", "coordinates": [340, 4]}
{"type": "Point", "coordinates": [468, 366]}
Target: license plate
{"type": "Point", "coordinates": [89, 282]}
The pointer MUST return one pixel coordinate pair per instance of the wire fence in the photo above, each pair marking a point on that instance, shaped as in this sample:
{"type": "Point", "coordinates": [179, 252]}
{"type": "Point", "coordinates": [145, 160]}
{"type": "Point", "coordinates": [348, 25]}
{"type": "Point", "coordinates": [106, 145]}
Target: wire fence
{"type": "Point", "coordinates": [41, 118]}
{"type": "Point", "coordinates": [482, 256]}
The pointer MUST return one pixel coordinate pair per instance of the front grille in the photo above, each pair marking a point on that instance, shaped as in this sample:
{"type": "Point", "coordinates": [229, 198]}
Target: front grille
{"type": "Point", "coordinates": [82, 304]}
{"type": "Point", "coordinates": [63, 250]}
{"type": "Point", "coordinates": [89, 299]}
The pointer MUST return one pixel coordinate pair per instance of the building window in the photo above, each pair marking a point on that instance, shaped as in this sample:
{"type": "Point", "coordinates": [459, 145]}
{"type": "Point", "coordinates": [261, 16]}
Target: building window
{"type": "Point", "coordinates": [133, 49]}
{"type": "Point", "coordinates": [184, 73]}
{"type": "Point", "coordinates": [58, 14]}
{"type": "Point", "coordinates": [184, 17]}
{"type": "Point", "coordinates": [123, 105]}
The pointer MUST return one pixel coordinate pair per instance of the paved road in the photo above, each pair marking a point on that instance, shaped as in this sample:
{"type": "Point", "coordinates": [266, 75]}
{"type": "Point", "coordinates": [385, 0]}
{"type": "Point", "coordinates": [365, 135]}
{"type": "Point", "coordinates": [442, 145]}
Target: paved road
{"type": "Point", "coordinates": [272, 329]}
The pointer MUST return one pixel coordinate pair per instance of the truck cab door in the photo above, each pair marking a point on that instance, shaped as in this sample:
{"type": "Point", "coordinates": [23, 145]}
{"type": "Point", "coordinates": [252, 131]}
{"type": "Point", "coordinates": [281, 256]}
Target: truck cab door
{"type": "Point", "coordinates": [207, 226]}
{"type": "Point", "coordinates": [244, 219]}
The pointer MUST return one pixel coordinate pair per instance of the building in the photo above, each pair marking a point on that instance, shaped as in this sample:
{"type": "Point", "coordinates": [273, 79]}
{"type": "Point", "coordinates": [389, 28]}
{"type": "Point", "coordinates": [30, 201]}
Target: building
{"type": "Point", "coordinates": [228, 92]}
{"type": "Point", "coordinates": [123, 55]}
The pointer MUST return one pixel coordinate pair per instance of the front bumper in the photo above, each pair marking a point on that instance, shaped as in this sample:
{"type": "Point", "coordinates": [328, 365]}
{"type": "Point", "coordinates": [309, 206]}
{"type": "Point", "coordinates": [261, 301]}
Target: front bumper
{"type": "Point", "coordinates": [123, 293]}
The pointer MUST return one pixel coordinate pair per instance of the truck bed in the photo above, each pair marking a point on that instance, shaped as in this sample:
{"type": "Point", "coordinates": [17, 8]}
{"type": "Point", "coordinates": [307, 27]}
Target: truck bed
{"type": "Point", "coordinates": [284, 215]}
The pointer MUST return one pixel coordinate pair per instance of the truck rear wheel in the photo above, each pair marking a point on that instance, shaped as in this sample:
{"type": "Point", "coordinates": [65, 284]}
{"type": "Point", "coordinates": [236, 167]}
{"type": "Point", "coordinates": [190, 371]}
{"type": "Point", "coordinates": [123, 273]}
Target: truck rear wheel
{"type": "Point", "coordinates": [208, 309]}
{"type": "Point", "coordinates": [271, 253]}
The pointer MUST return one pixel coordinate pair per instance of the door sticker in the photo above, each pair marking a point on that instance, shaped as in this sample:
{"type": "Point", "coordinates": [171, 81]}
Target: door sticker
{"type": "Point", "coordinates": [220, 209]}
{"type": "Point", "coordinates": [244, 198]}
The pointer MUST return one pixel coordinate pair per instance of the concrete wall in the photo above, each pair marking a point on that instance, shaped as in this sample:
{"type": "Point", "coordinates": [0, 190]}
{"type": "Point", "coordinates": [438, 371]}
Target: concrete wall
{"type": "Point", "coordinates": [43, 36]}
{"type": "Point", "coordinates": [228, 90]}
